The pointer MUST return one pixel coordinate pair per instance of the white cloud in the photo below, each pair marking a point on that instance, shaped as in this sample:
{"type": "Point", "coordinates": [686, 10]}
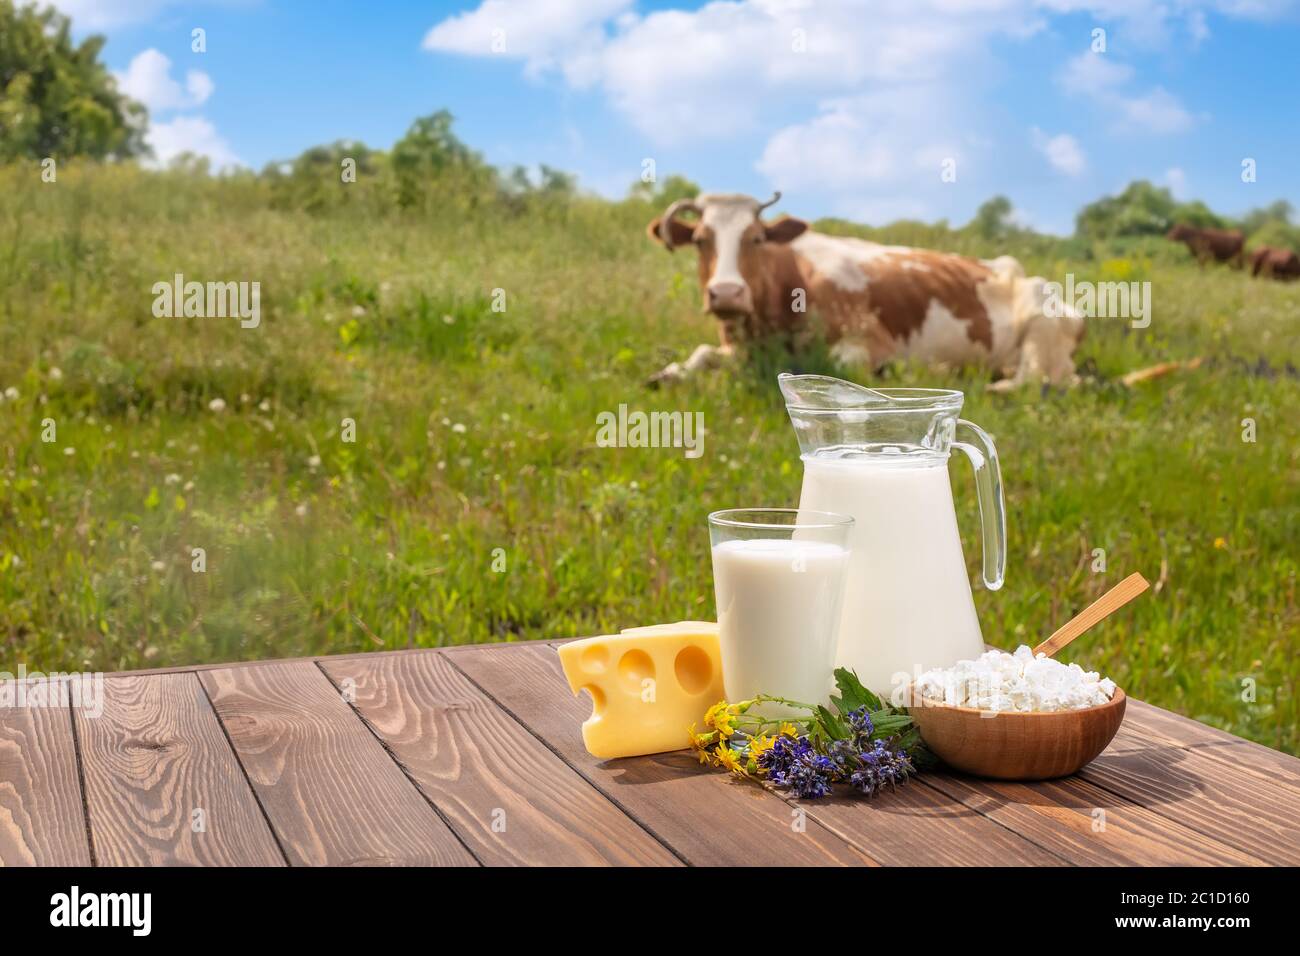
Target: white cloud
{"type": "Point", "coordinates": [835, 150]}
{"type": "Point", "coordinates": [1062, 151]}
{"type": "Point", "coordinates": [1154, 23]}
{"type": "Point", "coordinates": [1158, 112]}
{"type": "Point", "coordinates": [1094, 74]}
{"type": "Point", "coordinates": [1177, 180]}
{"type": "Point", "coordinates": [190, 134]}
{"type": "Point", "coordinates": [1105, 82]}
{"type": "Point", "coordinates": [536, 31]}
{"type": "Point", "coordinates": [866, 142]}
{"type": "Point", "coordinates": [148, 79]}
{"type": "Point", "coordinates": [712, 72]}
{"type": "Point", "coordinates": [858, 100]}
{"type": "Point", "coordinates": [107, 14]}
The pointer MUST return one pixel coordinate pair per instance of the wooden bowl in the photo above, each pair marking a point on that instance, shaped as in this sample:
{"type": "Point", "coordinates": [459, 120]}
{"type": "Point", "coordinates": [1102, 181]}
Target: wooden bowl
{"type": "Point", "coordinates": [1006, 745]}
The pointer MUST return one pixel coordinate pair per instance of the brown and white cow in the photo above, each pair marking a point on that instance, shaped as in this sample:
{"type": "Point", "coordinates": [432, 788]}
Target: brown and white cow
{"type": "Point", "coordinates": [874, 302]}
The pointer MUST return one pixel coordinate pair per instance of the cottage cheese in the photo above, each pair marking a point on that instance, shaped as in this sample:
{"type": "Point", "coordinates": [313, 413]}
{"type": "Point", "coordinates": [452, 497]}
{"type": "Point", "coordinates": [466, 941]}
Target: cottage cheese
{"type": "Point", "coordinates": [1021, 682]}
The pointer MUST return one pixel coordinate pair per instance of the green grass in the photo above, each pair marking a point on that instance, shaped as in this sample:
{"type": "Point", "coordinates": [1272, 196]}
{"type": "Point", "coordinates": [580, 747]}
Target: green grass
{"type": "Point", "coordinates": [318, 546]}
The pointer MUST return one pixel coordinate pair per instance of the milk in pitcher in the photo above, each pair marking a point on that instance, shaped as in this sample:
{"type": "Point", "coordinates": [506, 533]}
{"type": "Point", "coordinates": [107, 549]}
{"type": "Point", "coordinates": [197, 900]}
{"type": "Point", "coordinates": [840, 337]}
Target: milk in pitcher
{"type": "Point", "coordinates": [881, 456]}
{"type": "Point", "coordinates": [906, 545]}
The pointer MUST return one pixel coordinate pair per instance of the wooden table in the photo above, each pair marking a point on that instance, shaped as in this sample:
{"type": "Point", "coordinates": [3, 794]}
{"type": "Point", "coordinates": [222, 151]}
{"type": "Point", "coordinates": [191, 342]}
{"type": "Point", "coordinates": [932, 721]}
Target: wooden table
{"type": "Point", "coordinates": [473, 755]}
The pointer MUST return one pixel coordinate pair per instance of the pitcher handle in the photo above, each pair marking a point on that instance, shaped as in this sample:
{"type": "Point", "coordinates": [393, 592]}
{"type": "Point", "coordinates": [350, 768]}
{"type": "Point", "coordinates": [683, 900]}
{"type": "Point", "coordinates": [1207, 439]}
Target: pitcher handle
{"type": "Point", "coordinates": [979, 448]}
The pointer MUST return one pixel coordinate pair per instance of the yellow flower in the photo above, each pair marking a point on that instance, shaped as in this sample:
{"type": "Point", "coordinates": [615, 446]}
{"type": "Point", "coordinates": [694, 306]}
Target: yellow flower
{"type": "Point", "coordinates": [1221, 543]}
{"type": "Point", "coordinates": [700, 743]}
{"type": "Point", "coordinates": [720, 719]}
{"type": "Point", "coordinates": [788, 729]}
{"type": "Point", "coordinates": [760, 745]}
{"type": "Point", "coordinates": [726, 758]}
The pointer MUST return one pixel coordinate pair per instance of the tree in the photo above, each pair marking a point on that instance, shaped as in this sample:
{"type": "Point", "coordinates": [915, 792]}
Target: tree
{"type": "Point", "coordinates": [56, 98]}
{"type": "Point", "coordinates": [429, 158]}
{"type": "Point", "coordinates": [1278, 211]}
{"type": "Point", "coordinates": [993, 219]}
{"type": "Point", "coordinates": [661, 194]}
{"type": "Point", "coordinates": [1196, 213]}
{"type": "Point", "coordinates": [325, 176]}
{"type": "Point", "coordinates": [1275, 233]}
{"type": "Point", "coordinates": [1140, 210]}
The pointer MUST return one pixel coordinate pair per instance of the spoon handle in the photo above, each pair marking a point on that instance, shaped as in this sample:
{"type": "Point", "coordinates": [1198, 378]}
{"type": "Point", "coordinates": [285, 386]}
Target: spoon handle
{"type": "Point", "coordinates": [1103, 607]}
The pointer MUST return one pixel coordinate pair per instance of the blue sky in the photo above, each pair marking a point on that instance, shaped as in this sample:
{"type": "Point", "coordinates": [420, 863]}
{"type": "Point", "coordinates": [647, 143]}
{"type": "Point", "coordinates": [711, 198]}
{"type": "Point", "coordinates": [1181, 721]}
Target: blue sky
{"type": "Point", "coordinates": [855, 108]}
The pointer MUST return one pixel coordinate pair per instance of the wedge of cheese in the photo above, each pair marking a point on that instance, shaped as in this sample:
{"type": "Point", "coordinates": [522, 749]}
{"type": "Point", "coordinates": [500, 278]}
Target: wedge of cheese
{"type": "Point", "coordinates": [648, 685]}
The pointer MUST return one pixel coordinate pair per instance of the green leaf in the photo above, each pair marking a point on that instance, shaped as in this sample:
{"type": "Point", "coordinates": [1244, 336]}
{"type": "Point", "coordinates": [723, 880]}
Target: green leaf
{"type": "Point", "coordinates": [834, 727]}
{"type": "Point", "coordinates": [887, 725]}
{"type": "Point", "coordinates": [852, 693]}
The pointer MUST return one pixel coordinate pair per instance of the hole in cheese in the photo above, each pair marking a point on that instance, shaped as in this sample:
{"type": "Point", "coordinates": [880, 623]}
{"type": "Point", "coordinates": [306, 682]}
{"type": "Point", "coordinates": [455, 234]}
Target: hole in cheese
{"type": "Point", "coordinates": [597, 700]}
{"type": "Point", "coordinates": [694, 669]}
{"type": "Point", "coordinates": [595, 659]}
{"type": "Point", "coordinates": [634, 667]}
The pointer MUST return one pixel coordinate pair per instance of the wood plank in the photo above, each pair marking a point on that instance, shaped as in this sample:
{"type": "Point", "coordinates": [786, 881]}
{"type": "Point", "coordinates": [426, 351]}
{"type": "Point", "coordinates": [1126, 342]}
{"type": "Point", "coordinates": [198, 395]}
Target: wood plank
{"type": "Point", "coordinates": [508, 797]}
{"type": "Point", "coordinates": [1281, 769]}
{"type": "Point", "coordinates": [152, 758]}
{"type": "Point", "coordinates": [706, 817]}
{"type": "Point", "coordinates": [313, 658]}
{"type": "Point", "coordinates": [42, 822]}
{"type": "Point", "coordinates": [1156, 722]}
{"type": "Point", "coordinates": [333, 795]}
{"type": "Point", "coordinates": [1062, 816]}
{"type": "Point", "coordinates": [919, 825]}
{"type": "Point", "coordinates": [714, 820]}
{"type": "Point", "coordinates": [1245, 810]}
{"type": "Point", "coordinates": [1156, 728]}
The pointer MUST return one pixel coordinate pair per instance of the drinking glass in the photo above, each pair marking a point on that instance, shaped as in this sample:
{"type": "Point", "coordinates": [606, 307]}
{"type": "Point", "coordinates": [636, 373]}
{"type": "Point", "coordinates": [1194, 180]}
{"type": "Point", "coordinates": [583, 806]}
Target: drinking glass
{"type": "Point", "coordinates": [778, 575]}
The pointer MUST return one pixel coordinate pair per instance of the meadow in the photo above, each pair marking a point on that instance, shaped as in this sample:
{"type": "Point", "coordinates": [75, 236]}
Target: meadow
{"type": "Point", "coordinates": [475, 504]}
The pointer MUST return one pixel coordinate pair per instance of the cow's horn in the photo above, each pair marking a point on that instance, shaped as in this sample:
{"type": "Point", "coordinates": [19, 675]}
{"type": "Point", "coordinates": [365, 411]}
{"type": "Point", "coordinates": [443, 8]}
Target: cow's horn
{"type": "Point", "coordinates": [665, 229]}
{"type": "Point", "coordinates": [776, 197]}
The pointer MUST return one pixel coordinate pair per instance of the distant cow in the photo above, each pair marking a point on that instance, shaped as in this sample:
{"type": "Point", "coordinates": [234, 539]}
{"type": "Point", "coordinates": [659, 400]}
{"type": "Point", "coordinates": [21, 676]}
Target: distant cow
{"type": "Point", "coordinates": [875, 302]}
{"type": "Point", "coordinates": [1221, 245]}
{"type": "Point", "coordinates": [1275, 263]}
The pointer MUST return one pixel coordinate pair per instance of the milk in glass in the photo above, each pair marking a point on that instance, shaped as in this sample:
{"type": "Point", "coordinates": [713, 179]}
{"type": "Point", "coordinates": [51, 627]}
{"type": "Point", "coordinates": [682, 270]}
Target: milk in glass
{"type": "Point", "coordinates": [778, 612]}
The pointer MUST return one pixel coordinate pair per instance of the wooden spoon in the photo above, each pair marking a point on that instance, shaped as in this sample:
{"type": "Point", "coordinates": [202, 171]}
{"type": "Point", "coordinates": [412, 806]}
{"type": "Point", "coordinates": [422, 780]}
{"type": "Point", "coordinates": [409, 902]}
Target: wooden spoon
{"type": "Point", "coordinates": [1098, 610]}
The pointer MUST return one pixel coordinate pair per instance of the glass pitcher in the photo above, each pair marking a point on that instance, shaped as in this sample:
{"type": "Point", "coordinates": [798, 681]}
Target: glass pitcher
{"type": "Point", "coordinates": [881, 455]}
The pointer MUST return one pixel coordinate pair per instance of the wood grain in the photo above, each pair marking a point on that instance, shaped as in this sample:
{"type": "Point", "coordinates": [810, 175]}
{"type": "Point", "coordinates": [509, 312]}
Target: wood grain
{"type": "Point", "coordinates": [1158, 723]}
{"type": "Point", "coordinates": [1210, 795]}
{"type": "Point", "coordinates": [714, 820]}
{"type": "Point", "coordinates": [332, 793]}
{"type": "Point", "coordinates": [919, 825]}
{"type": "Point", "coordinates": [1148, 726]}
{"type": "Point", "coordinates": [1173, 791]}
{"type": "Point", "coordinates": [508, 797]}
{"type": "Point", "coordinates": [41, 818]}
{"type": "Point", "coordinates": [1085, 824]}
{"type": "Point", "coordinates": [152, 758]}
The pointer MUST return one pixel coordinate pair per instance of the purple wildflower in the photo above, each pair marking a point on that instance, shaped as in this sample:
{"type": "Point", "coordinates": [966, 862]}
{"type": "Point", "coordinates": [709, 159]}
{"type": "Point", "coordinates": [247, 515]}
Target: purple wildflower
{"type": "Point", "coordinates": [880, 766]}
{"type": "Point", "coordinates": [811, 775]}
{"type": "Point", "coordinates": [860, 722]}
